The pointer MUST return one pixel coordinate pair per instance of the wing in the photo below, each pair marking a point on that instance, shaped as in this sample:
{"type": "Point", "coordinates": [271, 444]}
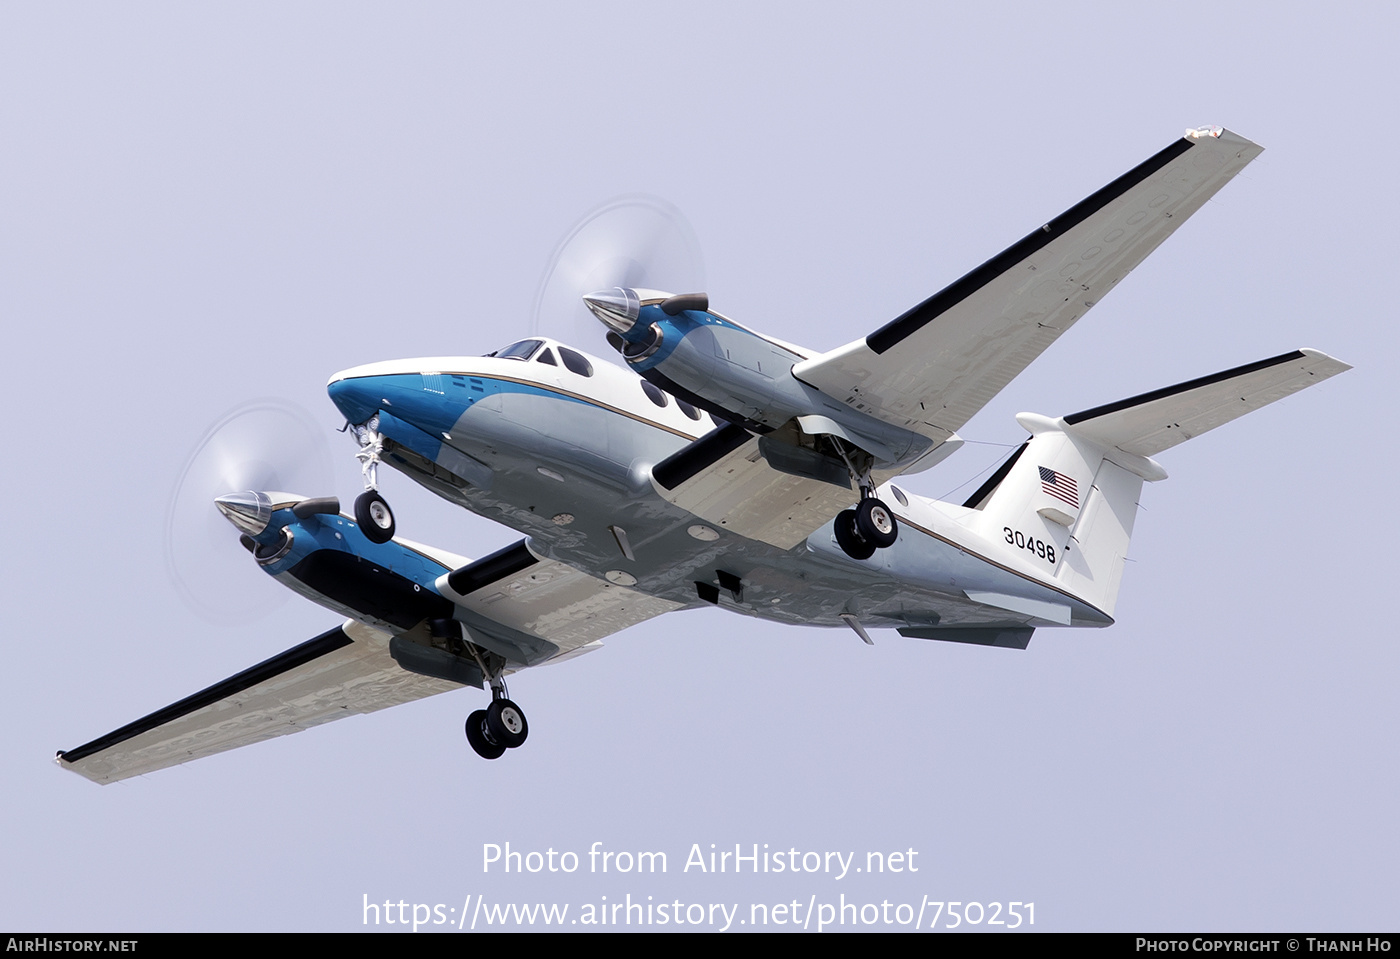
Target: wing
{"type": "Point", "coordinates": [772, 492]}
{"type": "Point", "coordinates": [527, 609]}
{"type": "Point", "coordinates": [931, 369]}
{"type": "Point", "coordinates": [533, 610]}
{"type": "Point", "coordinates": [724, 479]}
{"type": "Point", "coordinates": [342, 672]}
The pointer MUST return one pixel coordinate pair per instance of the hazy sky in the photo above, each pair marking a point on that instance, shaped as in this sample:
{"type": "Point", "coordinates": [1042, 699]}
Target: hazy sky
{"type": "Point", "coordinates": [204, 205]}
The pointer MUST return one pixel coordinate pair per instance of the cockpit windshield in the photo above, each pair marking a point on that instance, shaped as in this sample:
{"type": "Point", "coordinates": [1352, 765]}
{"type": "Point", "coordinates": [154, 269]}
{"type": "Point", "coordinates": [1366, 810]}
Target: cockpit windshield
{"type": "Point", "coordinates": [522, 350]}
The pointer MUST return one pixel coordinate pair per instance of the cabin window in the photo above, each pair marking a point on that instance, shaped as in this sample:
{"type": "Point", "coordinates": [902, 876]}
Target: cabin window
{"type": "Point", "coordinates": [687, 409]}
{"type": "Point", "coordinates": [653, 394]}
{"type": "Point", "coordinates": [899, 495]}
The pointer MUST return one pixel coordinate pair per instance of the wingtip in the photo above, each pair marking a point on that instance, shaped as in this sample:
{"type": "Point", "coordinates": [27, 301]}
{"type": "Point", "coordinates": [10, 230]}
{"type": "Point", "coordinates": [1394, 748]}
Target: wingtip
{"type": "Point", "coordinates": [1333, 364]}
{"type": "Point", "coordinates": [1221, 134]}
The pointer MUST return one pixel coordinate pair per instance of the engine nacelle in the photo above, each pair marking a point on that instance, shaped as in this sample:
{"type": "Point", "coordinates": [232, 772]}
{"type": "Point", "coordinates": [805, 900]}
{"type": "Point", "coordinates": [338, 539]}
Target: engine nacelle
{"type": "Point", "coordinates": [708, 360]}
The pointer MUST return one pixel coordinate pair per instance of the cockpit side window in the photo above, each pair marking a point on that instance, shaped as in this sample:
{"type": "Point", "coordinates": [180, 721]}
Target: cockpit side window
{"type": "Point", "coordinates": [575, 362]}
{"type": "Point", "coordinates": [546, 357]}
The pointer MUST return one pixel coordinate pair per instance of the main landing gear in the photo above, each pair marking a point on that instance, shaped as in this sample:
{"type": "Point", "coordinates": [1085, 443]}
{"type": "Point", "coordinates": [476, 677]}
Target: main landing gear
{"type": "Point", "coordinates": [871, 525]}
{"type": "Point", "coordinates": [500, 726]}
{"type": "Point", "coordinates": [371, 511]}
{"type": "Point", "coordinates": [868, 527]}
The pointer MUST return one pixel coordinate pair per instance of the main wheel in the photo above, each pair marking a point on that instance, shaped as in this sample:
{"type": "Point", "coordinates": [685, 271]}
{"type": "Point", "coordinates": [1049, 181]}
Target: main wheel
{"type": "Point", "coordinates": [505, 722]}
{"type": "Point", "coordinates": [476, 735]}
{"type": "Point", "coordinates": [848, 539]}
{"type": "Point", "coordinates": [875, 523]}
{"type": "Point", "coordinates": [374, 516]}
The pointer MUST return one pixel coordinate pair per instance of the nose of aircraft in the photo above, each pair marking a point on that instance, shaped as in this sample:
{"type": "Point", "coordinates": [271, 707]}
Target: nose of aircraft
{"type": "Point", "coordinates": [249, 511]}
{"type": "Point", "coordinates": [618, 308]}
{"type": "Point", "coordinates": [357, 397]}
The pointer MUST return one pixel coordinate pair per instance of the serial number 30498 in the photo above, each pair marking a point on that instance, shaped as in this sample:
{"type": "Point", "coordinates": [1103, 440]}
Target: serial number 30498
{"type": "Point", "coordinates": [1036, 546]}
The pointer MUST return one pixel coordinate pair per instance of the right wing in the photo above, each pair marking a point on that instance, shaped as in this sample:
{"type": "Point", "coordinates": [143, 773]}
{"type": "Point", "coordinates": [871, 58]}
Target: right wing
{"type": "Point", "coordinates": [931, 369]}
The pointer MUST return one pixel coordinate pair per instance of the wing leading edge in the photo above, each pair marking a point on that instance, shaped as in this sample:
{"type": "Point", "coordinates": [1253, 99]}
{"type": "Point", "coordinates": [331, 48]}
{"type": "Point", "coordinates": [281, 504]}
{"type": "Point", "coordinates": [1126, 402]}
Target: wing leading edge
{"type": "Point", "coordinates": [934, 367]}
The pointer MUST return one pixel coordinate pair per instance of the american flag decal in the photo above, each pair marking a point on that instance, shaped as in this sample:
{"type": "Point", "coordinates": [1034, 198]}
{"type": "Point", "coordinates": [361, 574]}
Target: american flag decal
{"type": "Point", "coordinates": [1060, 486]}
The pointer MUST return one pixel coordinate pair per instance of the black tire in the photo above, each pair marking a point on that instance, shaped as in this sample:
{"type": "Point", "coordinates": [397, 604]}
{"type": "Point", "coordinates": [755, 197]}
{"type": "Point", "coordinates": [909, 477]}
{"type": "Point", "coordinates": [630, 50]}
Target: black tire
{"type": "Point", "coordinates": [505, 723]}
{"type": "Point", "coordinates": [848, 539]}
{"type": "Point", "coordinates": [476, 735]}
{"type": "Point", "coordinates": [875, 523]}
{"type": "Point", "coordinates": [374, 516]}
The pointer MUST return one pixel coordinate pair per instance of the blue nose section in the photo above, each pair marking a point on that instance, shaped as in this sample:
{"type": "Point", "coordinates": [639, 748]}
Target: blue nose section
{"type": "Point", "coordinates": [359, 397]}
{"type": "Point", "coordinates": [430, 406]}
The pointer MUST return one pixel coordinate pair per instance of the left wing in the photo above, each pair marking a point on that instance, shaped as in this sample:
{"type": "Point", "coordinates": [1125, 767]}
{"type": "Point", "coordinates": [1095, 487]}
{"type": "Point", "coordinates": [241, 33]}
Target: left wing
{"type": "Point", "coordinates": [527, 609]}
{"type": "Point", "coordinates": [931, 369]}
{"type": "Point", "coordinates": [344, 671]}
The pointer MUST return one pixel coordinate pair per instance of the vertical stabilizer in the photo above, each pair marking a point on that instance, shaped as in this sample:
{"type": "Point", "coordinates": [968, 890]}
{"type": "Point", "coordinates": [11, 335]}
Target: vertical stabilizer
{"type": "Point", "coordinates": [1092, 567]}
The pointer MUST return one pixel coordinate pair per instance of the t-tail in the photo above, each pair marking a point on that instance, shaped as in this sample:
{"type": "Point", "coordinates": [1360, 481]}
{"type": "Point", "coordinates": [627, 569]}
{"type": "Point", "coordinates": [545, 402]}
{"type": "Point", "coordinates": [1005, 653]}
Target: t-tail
{"type": "Point", "coordinates": [1070, 493]}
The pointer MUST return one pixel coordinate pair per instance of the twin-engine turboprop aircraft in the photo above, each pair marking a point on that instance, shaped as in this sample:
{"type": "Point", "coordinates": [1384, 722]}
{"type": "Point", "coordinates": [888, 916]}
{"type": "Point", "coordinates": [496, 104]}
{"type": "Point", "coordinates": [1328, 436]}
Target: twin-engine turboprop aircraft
{"type": "Point", "coordinates": [722, 467]}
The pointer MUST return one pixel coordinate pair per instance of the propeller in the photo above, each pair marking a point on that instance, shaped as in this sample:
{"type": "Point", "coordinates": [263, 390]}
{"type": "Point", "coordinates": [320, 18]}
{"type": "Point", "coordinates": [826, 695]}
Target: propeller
{"type": "Point", "coordinates": [631, 241]}
{"type": "Point", "coordinates": [266, 445]}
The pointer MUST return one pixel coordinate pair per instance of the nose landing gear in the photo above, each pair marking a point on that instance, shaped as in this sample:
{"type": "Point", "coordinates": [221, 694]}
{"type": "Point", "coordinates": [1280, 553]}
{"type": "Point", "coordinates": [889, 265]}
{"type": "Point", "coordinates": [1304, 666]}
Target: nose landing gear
{"type": "Point", "coordinates": [372, 513]}
{"type": "Point", "coordinates": [374, 516]}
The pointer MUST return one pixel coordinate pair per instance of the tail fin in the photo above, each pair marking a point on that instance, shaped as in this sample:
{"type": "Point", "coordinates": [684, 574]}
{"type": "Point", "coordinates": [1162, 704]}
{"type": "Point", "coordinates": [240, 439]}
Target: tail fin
{"type": "Point", "coordinates": [1070, 494]}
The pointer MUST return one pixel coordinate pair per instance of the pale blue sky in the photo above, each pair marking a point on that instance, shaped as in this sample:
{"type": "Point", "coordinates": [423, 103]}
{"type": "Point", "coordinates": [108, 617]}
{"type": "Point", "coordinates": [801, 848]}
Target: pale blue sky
{"type": "Point", "coordinates": [205, 205]}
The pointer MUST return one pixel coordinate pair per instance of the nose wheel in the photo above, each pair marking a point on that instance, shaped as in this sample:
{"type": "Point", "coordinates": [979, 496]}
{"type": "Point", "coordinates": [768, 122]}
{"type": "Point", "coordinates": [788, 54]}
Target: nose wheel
{"type": "Point", "coordinates": [374, 516]}
{"type": "Point", "coordinates": [371, 511]}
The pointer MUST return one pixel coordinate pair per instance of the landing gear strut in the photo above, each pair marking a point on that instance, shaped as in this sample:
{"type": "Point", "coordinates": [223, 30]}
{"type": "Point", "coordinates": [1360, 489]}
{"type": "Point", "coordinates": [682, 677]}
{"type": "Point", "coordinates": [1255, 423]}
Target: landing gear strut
{"type": "Point", "coordinates": [871, 525]}
{"type": "Point", "coordinates": [500, 726]}
{"type": "Point", "coordinates": [371, 511]}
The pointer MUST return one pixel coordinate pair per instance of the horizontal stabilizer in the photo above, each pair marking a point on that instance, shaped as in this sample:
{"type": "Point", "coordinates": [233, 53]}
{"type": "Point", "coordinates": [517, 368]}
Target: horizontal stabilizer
{"type": "Point", "coordinates": [1068, 497]}
{"type": "Point", "coordinates": [1147, 424]}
